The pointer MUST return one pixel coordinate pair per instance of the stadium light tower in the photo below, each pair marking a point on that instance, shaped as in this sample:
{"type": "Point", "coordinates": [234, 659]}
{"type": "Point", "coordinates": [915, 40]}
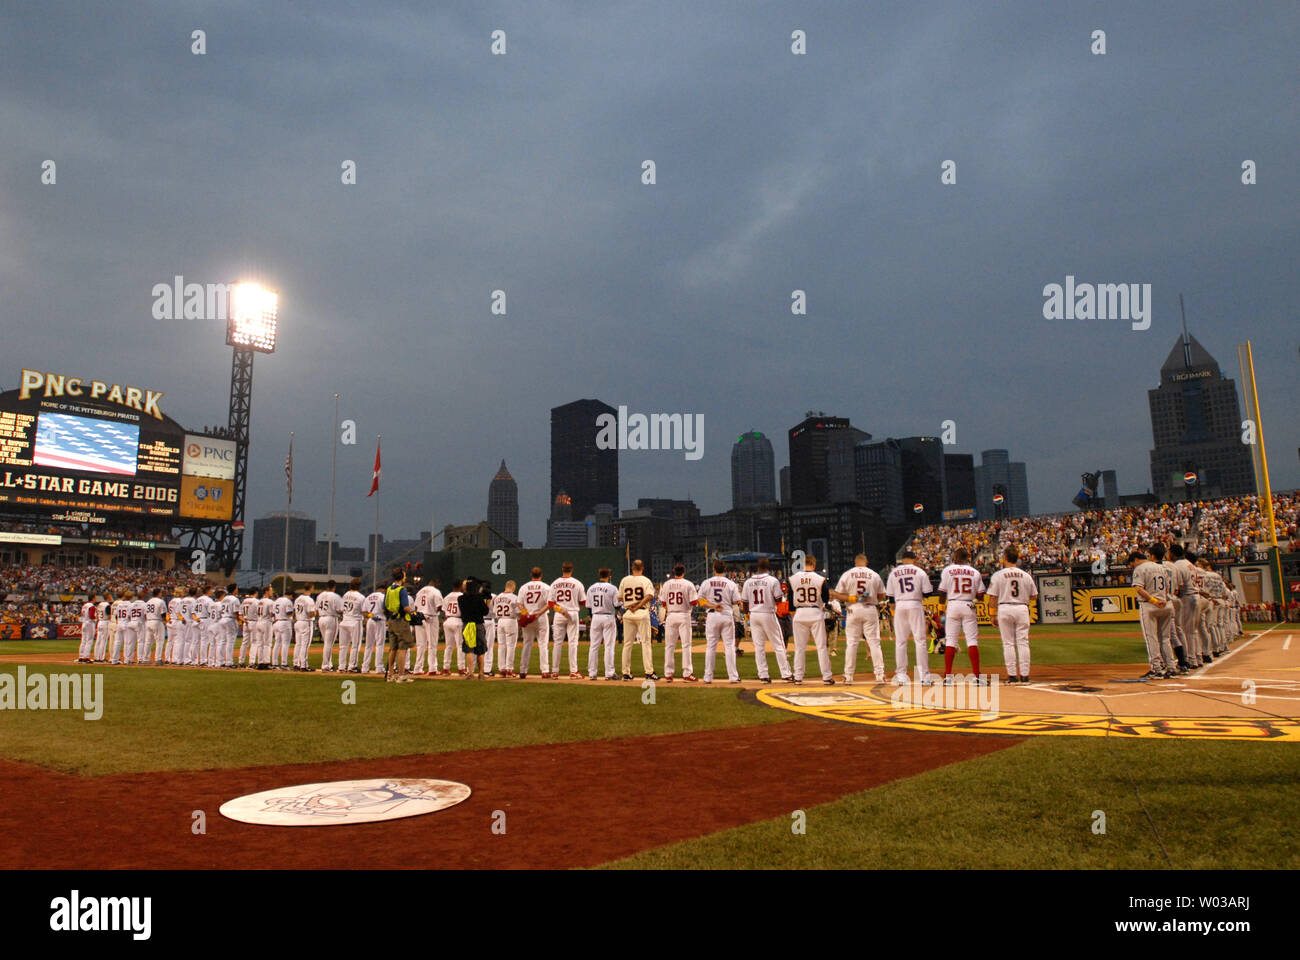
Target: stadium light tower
{"type": "Point", "coordinates": [252, 327]}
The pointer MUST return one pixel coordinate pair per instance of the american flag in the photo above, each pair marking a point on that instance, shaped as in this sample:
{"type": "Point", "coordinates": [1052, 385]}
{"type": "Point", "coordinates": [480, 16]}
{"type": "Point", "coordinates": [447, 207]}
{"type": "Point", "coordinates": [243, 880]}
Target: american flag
{"type": "Point", "coordinates": [288, 469]}
{"type": "Point", "coordinates": [80, 443]}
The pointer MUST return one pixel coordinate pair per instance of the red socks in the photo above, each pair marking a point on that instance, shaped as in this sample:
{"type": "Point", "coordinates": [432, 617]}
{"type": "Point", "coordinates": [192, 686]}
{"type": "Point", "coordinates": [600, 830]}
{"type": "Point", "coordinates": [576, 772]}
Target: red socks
{"type": "Point", "coordinates": [949, 653]}
{"type": "Point", "coordinates": [974, 659]}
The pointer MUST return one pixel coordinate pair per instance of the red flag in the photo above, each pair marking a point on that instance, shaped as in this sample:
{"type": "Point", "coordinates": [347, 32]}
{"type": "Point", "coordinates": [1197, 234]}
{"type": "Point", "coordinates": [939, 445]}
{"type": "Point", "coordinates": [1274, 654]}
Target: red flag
{"type": "Point", "coordinates": [374, 482]}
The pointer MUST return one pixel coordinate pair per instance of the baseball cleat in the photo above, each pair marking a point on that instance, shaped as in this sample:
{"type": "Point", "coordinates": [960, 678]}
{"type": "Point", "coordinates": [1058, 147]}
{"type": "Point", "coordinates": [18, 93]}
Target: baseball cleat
{"type": "Point", "coordinates": [765, 679]}
{"type": "Point", "coordinates": [900, 679]}
{"type": "Point", "coordinates": [690, 678]}
{"type": "Point", "coordinates": [829, 681]}
{"type": "Point", "coordinates": [627, 676]}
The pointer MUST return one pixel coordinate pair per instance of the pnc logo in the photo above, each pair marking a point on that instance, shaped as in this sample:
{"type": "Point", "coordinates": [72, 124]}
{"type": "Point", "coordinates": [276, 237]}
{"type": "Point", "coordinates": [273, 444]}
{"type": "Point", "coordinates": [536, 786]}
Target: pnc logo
{"type": "Point", "coordinates": [193, 450]}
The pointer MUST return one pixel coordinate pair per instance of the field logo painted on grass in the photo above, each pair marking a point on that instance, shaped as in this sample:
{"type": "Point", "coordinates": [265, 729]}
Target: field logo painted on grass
{"type": "Point", "coordinates": [57, 691]}
{"type": "Point", "coordinates": [75, 913]}
{"type": "Point", "coordinates": [345, 802]}
{"type": "Point", "coordinates": [877, 711]}
{"type": "Point", "coordinates": [964, 693]}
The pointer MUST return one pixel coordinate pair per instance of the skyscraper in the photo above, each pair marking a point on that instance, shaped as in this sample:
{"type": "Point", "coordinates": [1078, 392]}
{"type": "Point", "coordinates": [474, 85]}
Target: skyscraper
{"type": "Point", "coordinates": [503, 509]}
{"type": "Point", "coordinates": [998, 474]}
{"type": "Point", "coordinates": [753, 473]}
{"type": "Point", "coordinates": [959, 485]}
{"type": "Point", "coordinates": [924, 479]}
{"type": "Point", "coordinates": [821, 459]}
{"type": "Point", "coordinates": [879, 479]}
{"type": "Point", "coordinates": [268, 542]}
{"type": "Point", "coordinates": [1196, 428]}
{"type": "Point", "coordinates": [580, 469]}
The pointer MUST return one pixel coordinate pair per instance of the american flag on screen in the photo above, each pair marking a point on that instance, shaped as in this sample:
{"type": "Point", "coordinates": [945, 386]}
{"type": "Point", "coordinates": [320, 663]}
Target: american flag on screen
{"type": "Point", "coordinates": [80, 443]}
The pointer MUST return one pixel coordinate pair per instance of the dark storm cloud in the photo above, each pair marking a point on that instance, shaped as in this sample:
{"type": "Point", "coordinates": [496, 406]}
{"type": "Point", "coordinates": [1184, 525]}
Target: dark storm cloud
{"type": "Point", "coordinates": [775, 172]}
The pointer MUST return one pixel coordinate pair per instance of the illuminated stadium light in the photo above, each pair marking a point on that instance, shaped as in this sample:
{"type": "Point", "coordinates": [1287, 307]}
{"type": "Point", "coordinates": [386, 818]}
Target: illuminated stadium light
{"type": "Point", "coordinates": [252, 322]}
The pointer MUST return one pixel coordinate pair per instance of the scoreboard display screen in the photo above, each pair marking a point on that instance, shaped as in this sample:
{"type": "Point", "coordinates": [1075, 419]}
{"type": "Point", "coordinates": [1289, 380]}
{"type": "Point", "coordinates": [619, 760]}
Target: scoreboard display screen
{"type": "Point", "coordinates": [63, 452]}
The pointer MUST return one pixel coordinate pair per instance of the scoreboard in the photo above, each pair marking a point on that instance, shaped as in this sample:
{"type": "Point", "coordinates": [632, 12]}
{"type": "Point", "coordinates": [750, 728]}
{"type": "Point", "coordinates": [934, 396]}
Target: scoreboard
{"type": "Point", "coordinates": [71, 447]}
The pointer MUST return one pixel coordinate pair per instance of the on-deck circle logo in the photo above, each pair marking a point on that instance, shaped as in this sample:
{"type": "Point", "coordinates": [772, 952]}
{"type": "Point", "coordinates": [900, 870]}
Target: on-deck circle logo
{"type": "Point", "coordinates": [345, 802]}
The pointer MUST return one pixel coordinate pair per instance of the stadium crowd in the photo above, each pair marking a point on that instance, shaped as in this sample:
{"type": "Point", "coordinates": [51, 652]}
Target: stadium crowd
{"type": "Point", "coordinates": [1221, 530]}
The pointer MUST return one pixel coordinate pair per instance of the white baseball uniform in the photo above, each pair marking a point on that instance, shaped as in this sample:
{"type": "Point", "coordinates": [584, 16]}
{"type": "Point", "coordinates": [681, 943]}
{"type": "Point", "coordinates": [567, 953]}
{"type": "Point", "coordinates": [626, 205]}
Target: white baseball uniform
{"type": "Point", "coordinates": [155, 612]}
{"type": "Point", "coordinates": [350, 628]}
{"type": "Point", "coordinates": [175, 629]}
{"type": "Point", "coordinates": [505, 610]}
{"type": "Point", "coordinates": [862, 619]}
{"type": "Point", "coordinates": [1156, 619]}
{"type": "Point", "coordinates": [602, 597]}
{"type": "Point", "coordinates": [722, 592]}
{"type": "Point", "coordinates": [568, 595]}
{"type": "Point", "coordinates": [281, 631]}
{"type": "Point", "coordinates": [452, 625]}
{"type": "Point", "coordinates": [809, 592]}
{"type": "Point", "coordinates": [907, 585]}
{"type": "Point", "coordinates": [961, 584]}
{"type": "Point", "coordinates": [248, 629]}
{"type": "Point", "coordinates": [329, 607]}
{"type": "Point", "coordinates": [376, 632]}
{"type": "Point", "coordinates": [304, 612]}
{"type": "Point", "coordinates": [103, 621]}
{"type": "Point", "coordinates": [87, 646]}
{"type": "Point", "coordinates": [428, 601]}
{"type": "Point", "coordinates": [762, 593]}
{"type": "Point", "coordinates": [534, 596]}
{"type": "Point", "coordinates": [678, 596]}
{"type": "Point", "coordinates": [1014, 590]}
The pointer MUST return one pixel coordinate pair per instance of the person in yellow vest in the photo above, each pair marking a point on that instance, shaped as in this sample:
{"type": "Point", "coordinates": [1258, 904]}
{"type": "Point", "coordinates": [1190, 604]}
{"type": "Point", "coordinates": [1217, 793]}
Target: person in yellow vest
{"type": "Point", "coordinates": [398, 609]}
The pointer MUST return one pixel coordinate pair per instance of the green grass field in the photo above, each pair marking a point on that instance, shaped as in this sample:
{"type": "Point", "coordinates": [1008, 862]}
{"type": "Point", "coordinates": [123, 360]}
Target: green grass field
{"type": "Point", "coordinates": [1167, 803]}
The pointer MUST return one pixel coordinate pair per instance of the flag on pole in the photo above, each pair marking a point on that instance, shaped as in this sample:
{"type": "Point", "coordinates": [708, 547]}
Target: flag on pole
{"type": "Point", "coordinates": [374, 481]}
{"type": "Point", "coordinates": [288, 469]}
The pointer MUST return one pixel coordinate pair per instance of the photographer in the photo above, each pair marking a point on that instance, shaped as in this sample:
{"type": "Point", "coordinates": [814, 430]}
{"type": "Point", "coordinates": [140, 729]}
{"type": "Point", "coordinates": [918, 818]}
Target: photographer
{"type": "Point", "coordinates": [398, 610]}
{"type": "Point", "coordinates": [473, 608]}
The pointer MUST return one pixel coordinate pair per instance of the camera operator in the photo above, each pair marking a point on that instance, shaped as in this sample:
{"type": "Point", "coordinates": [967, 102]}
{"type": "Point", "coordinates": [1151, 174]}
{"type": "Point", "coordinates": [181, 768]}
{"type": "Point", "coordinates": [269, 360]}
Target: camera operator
{"type": "Point", "coordinates": [473, 608]}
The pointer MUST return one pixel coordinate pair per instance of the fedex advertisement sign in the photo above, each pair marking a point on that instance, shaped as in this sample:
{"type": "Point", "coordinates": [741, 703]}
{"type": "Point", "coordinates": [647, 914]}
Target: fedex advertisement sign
{"type": "Point", "coordinates": [208, 457]}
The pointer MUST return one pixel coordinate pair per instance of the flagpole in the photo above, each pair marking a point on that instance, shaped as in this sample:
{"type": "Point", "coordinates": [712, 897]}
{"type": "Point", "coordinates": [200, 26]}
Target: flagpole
{"type": "Point", "coordinates": [374, 543]}
{"type": "Point", "coordinates": [329, 544]}
{"type": "Point", "coordinates": [288, 504]}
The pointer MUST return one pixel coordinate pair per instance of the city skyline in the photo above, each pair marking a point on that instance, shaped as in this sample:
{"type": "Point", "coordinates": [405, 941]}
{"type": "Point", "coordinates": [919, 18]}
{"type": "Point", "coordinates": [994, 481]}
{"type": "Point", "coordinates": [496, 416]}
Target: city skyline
{"type": "Point", "coordinates": [924, 300]}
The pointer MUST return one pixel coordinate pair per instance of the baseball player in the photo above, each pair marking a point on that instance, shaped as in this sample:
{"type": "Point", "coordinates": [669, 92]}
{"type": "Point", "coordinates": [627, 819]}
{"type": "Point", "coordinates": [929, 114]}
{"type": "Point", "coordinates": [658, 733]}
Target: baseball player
{"type": "Point", "coordinates": [636, 593]}
{"type": "Point", "coordinates": [281, 630]}
{"type": "Point", "coordinates": [1009, 594]}
{"type": "Point", "coordinates": [329, 605]}
{"type": "Point", "coordinates": [304, 617]}
{"type": "Point", "coordinates": [489, 637]}
{"type": "Point", "coordinates": [175, 628]}
{"type": "Point", "coordinates": [534, 625]}
{"type": "Point", "coordinates": [136, 636]}
{"type": "Point", "coordinates": [88, 611]}
{"type": "Point", "coordinates": [1175, 626]}
{"type": "Point", "coordinates": [452, 627]}
{"type": "Point", "coordinates": [120, 612]}
{"type": "Point", "coordinates": [567, 597]}
{"type": "Point", "coordinates": [247, 629]}
{"type": "Point", "coordinates": [865, 590]}
{"type": "Point", "coordinates": [602, 598]}
{"type": "Point", "coordinates": [155, 615]}
{"type": "Point", "coordinates": [1151, 581]}
{"type": "Point", "coordinates": [1185, 605]}
{"type": "Point", "coordinates": [103, 622]}
{"type": "Point", "coordinates": [809, 593]}
{"type": "Point", "coordinates": [350, 628]}
{"type": "Point", "coordinates": [202, 639]}
{"type": "Point", "coordinates": [678, 595]}
{"type": "Point", "coordinates": [505, 611]}
{"type": "Point", "coordinates": [720, 594]}
{"type": "Point", "coordinates": [428, 601]}
{"type": "Point", "coordinates": [760, 595]}
{"type": "Point", "coordinates": [376, 632]}
{"type": "Point", "coordinates": [189, 635]}
{"type": "Point", "coordinates": [1218, 607]}
{"type": "Point", "coordinates": [960, 583]}
{"type": "Point", "coordinates": [228, 622]}
{"type": "Point", "coordinates": [907, 586]}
